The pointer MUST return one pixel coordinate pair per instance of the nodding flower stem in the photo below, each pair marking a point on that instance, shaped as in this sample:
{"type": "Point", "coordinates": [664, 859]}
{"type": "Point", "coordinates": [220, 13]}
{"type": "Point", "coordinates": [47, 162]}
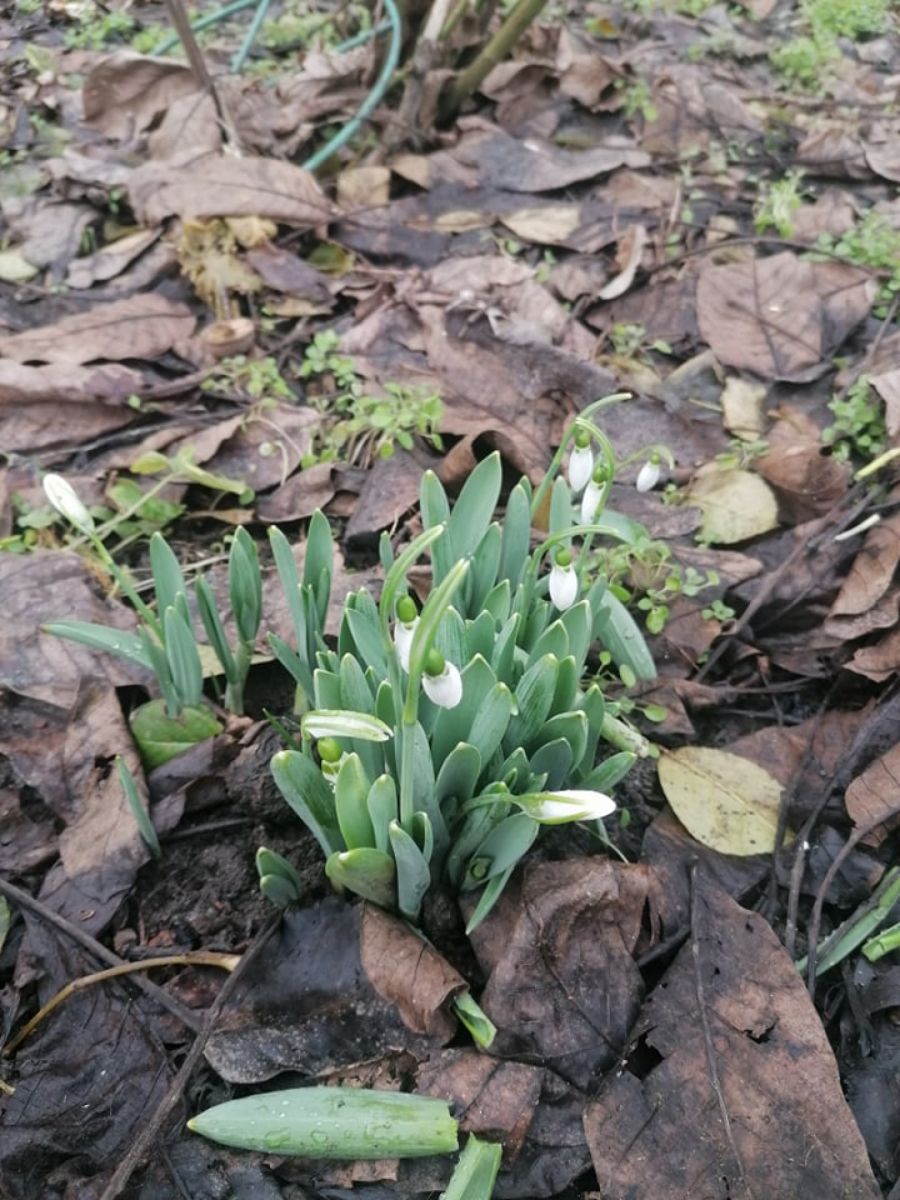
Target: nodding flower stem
{"type": "Point", "coordinates": [581, 422]}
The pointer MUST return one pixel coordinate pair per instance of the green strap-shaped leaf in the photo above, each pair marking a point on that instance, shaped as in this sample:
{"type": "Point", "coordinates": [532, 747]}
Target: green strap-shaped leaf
{"type": "Point", "coordinates": [593, 705]}
{"type": "Point", "coordinates": [301, 783]}
{"type": "Point", "coordinates": [382, 806]}
{"type": "Point", "coordinates": [435, 508]}
{"type": "Point", "coordinates": [99, 637]}
{"type": "Point", "coordinates": [485, 566]}
{"type": "Point", "coordinates": [245, 585]}
{"type": "Point", "coordinates": [476, 1171]}
{"type": "Point", "coordinates": [351, 791]}
{"type": "Point", "coordinates": [501, 849]}
{"type": "Point", "coordinates": [361, 635]}
{"type": "Point", "coordinates": [622, 637]}
{"type": "Point", "coordinates": [318, 564]}
{"type": "Point", "coordinates": [554, 640]}
{"type": "Point", "coordinates": [578, 622]}
{"type": "Point", "coordinates": [456, 780]}
{"type": "Point", "coordinates": [452, 725]}
{"type": "Point", "coordinates": [554, 761]}
{"type": "Point", "coordinates": [413, 872]}
{"type": "Point", "coordinates": [607, 774]}
{"type": "Point", "coordinates": [474, 508]}
{"type": "Point", "coordinates": [498, 602]}
{"type": "Point", "coordinates": [534, 698]}
{"type": "Point", "coordinates": [168, 579]}
{"type": "Point", "coordinates": [560, 506]}
{"type": "Point", "coordinates": [572, 727]}
{"type": "Point", "coordinates": [516, 535]}
{"type": "Point", "coordinates": [480, 635]}
{"type": "Point", "coordinates": [215, 631]}
{"type": "Point", "coordinates": [491, 721]}
{"type": "Point", "coordinates": [183, 657]}
{"type": "Point", "coordinates": [367, 872]}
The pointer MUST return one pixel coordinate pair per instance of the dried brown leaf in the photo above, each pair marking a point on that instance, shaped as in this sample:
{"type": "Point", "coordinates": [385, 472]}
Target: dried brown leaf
{"type": "Point", "coordinates": [740, 1088]}
{"type": "Point", "coordinates": [780, 317]}
{"type": "Point", "coordinates": [220, 186]}
{"type": "Point", "coordinates": [136, 327]}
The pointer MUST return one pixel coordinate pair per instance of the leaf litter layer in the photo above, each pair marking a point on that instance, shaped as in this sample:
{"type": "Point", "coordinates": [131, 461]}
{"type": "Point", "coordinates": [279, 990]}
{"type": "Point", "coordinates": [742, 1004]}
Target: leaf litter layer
{"type": "Point", "coordinates": [645, 197]}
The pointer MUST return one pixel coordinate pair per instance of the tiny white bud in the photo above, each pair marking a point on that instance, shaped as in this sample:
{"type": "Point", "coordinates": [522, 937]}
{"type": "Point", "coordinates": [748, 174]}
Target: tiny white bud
{"type": "Point", "coordinates": [581, 467]}
{"type": "Point", "coordinates": [648, 476]}
{"type": "Point", "coordinates": [404, 632]}
{"type": "Point", "coordinates": [590, 502]}
{"type": "Point", "coordinates": [445, 689]}
{"type": "Point", "coordinates": [65, 500]}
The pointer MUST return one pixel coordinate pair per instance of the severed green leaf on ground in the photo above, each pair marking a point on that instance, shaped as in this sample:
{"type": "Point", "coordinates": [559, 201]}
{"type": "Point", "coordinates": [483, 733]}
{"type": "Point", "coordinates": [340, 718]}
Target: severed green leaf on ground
{"type": "Point", "coordinates": [726, 802]}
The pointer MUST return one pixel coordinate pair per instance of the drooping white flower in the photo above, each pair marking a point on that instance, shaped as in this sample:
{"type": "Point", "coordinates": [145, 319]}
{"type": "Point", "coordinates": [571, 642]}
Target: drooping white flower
{"type": "Point", "coordinates": [405, 629]}
{"type": "Point", "coordinates": [581, 461]}
{"type": "Point", "coordinates": [648, 476]}
{"type": "Point", "coordinates": [563, 581]}
{"type": "Point", "coordinates": [591, 500]}
{"type": "Point", "coordinates": [441, 681]}
{"type": "Point", "coordinates": [65, 500]}
{"type": "Point", "coordinates": [572, 804]}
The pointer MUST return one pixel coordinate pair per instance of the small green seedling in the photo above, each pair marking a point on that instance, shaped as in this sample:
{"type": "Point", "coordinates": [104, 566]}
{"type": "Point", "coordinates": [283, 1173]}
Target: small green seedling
{"type": "Point", "coordinates": [333, 1122]}
{"type": "Point", "coordinates": [165, 643]}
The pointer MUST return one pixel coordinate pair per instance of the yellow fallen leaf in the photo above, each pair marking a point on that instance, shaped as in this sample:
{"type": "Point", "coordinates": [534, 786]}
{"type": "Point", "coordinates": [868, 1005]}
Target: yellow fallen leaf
{"type": "Point", "coordinates": [726, 802]}
{"type": "Point", "coordinates": [736, 505]}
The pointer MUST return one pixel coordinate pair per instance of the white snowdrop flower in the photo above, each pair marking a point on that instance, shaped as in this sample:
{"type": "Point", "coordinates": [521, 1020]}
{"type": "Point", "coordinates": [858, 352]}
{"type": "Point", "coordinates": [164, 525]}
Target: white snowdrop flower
{"type": "Point", "coordinates": [563, 581]}
{"type": "Point", "coordinates": [442, 681]}
{"type": "Point", "coordinates": [591, 500]}
{"type": "Point", "coordinates": [581, 461]}
{"type": "Point", "coordinates": [405, 629]}
{"type": "Point", "coordinates": [648, 476]}
{"type": "Point", "coordinates": [572, 804]}
{"type": "Point", "coordinates": [65, 500]}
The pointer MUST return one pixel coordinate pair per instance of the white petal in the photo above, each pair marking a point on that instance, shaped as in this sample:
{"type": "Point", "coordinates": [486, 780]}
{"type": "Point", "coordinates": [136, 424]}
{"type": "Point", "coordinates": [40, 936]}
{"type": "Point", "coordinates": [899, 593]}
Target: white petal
{"type": "Point", "coordinates": [590, 502]}
{"type": "Point", "coordinates": [581, 467]}
{"type": "Point", "coordinates": [65, 500]}
{"type": "Point", "coordinates": [326, 722]}
{"type": "Point", "coordinates": [403, 638]}
{"type": "Point", "coordinates": [563, 586]}
{"type": "Point", "coordinates": [648, 476]}
{"type": "Point", "coordinates": [445, 690]}
{"type": "Point", "coordinates": [554, 808]}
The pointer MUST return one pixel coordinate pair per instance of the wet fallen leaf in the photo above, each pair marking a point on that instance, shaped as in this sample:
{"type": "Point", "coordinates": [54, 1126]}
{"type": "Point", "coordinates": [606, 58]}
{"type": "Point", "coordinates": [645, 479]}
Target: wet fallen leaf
{"type": "Point", "coordinates": [731, 1079]}
{"type": "Point", "coordinates": [725, 801]}
{"type": "Point", "coordinates": [563, 987]}
{"type": "Point", "coordinates": [306, 1004]}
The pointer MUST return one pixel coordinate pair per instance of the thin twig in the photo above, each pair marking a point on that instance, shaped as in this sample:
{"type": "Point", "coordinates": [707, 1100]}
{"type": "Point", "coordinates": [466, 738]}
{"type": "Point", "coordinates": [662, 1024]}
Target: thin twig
{"type": "Point", "coordinates": [141, 1148]}
{"type": "Point", "coordinates": [22, 899]}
